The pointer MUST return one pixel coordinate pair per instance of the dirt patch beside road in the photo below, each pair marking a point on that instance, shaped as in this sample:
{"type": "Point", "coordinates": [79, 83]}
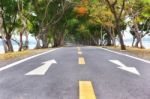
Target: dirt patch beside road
{"type": "Point", "coordinates": [9, 58]}
{"type": "Point", "coordinates": [141, 53]}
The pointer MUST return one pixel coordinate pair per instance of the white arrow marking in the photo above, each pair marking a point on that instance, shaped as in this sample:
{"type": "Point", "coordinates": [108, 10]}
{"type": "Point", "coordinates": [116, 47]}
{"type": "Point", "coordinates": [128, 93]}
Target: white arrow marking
{"type": "Point", "coordinates": [42, 69]}
{"type": "Point", "coordinates": [124, 67]}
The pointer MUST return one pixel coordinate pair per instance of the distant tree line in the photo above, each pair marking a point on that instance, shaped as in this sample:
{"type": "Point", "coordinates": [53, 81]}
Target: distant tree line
{"type": "Point", "coordinates": [87, 22]}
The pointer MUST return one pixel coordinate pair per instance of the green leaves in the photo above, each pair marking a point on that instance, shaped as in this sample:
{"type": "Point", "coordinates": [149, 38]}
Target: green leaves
{"type": "Point", "coordinates": [146, 1]}
{"type": "Point", "coordinates": [58, 17]}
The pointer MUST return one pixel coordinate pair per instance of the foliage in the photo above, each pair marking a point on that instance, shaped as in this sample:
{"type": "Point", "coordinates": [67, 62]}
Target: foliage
{"type": "Point", "coordinates": [82, 21]}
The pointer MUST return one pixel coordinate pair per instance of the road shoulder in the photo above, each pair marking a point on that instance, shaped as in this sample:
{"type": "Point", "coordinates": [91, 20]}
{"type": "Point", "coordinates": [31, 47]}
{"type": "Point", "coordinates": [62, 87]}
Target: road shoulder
{"type": "Point", "coordinates": [135, 52]}
{"type": "Point", "coordinates": [9, 58]}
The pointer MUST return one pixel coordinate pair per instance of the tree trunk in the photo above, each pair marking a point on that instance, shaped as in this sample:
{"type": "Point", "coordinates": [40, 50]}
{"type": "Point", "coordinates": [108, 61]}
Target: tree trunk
{"type": "Point", "coordinates": [26, 42]}
{"type": "Point", "coordinates": [21, 42]}
{"type": "Point", "coordinates": [38, 46]}
{"type": "Point", "coordinates": [58, 40]}
{"type": "Point", "coordinates": [55, 43]}
{"type": "Point", "coordinates": [62, 41]}
{"type": "Point", "coordinates": [118, 30]}
{"type": "Point", "coordinates": [8, 43]}
{"type": "Point", "coordinates": [139, 41]}
{"type": "Point", "coordinates": [121, 41]}
{"type": "Point", "coordinates": [108, 40]}
{"type": "Point", "coordinates": [133, 41]}
{"type": "Point", "coordinates": [112, 36]}
{"type": "Point", "coordinates": [44, 41]}
{"type": "Point", "coordinates": [138, 36]}
{"type": "Point", "coordinates": [5, 45]}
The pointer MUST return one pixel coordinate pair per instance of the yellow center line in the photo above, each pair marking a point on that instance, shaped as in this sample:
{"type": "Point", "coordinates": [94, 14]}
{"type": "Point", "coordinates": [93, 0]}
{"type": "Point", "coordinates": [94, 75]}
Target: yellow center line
{"type": "Point", "coordinates": [86, 90]}
{"type": "Point", "coordinates": [79, 49]}
{"type": "Point", "coordinates": [79, 52]}
{"type": "Point", "coordinates": [81, 61]}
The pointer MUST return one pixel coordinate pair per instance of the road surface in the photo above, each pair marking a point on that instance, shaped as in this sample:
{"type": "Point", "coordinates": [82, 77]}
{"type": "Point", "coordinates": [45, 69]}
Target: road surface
{"type": "Point", "coordinates": [76, 73]}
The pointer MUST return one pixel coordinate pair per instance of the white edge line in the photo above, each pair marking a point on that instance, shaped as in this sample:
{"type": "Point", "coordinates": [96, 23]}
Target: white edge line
{"type": "Point", "coordinates": [143, 60]}
{"type": "Point", "coordinates": [23, 60]}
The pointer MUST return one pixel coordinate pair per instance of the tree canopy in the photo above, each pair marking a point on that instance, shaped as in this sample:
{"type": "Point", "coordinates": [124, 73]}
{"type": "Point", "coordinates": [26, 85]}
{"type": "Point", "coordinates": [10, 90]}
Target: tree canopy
{"type": "Point", "coordinates": [88, 22]}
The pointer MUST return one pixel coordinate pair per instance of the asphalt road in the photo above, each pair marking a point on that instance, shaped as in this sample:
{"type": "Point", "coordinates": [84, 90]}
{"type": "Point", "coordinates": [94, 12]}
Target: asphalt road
{"type": "Point", "coordinates": [56, 75]}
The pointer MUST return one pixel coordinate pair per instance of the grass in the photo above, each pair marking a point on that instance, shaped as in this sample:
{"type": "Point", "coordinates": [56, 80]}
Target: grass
{"type": "Point", "coordinates": [142, 53]}
{"type": "Point", "coordinates": [13, 55]}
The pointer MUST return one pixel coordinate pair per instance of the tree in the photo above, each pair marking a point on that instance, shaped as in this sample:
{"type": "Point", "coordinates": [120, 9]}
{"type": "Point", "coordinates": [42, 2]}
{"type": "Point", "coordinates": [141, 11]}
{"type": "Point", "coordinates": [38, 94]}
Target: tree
{"type": "Point", "coordinates": [53, 12]}
{"type": "Point", "coordinates": [9, 16]}
{"type": "Point", "coordinates": [137, 12]}
{"type": "Point", "coordinates": [117, 8]}
{"type": "Point", "coordinates": [23, 11]}
{"type": "Point", "coordinates": [105, 19]}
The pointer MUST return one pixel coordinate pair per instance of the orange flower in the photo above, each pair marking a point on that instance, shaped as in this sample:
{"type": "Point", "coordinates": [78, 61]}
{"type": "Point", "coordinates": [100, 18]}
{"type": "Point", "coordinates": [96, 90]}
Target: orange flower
{"type": "Point", "coordinates": [81, 10]}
